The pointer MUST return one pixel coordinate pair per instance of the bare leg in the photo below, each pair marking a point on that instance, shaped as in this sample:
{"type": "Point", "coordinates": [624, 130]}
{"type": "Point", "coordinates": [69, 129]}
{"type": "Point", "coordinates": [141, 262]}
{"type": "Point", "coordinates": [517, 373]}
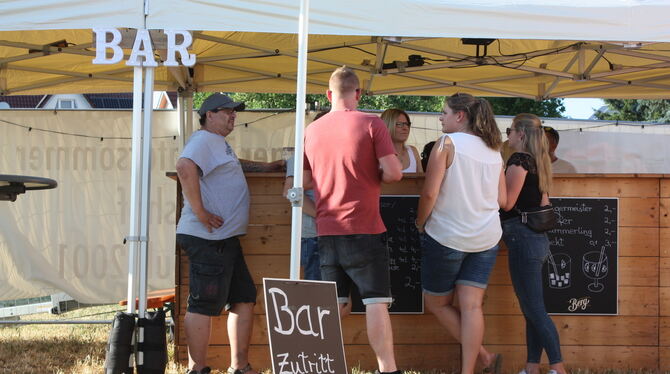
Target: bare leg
{"type": "Point", "coordinates": [558, 367]}
{"type": "Point", "coordinates": [240, 327]}
{"type": "Point", "coordinates": [380, 335]}
{"type": "Point", "coordinates": [450, 317]}
{"type": "Point", "coordinates": [532, 368]}
{"type": "Point", "coordinates": [472, 325]}
{"type": "Point", "coordinates": [345, 309]}
{"type": "Point", "coordinates": [198, 328]}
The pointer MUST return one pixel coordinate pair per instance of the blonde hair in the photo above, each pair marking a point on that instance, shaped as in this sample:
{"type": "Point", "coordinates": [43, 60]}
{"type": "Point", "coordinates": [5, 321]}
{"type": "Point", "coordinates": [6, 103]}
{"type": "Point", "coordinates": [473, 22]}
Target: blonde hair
{"type": "Point", "coordinates": [535, 143]}
{"type": "Point", "coordinates": [390, 117]}
{"type": "Point", "coordinates": [343, 81]}
{"type": "Point", "coordinates": [481, 120]}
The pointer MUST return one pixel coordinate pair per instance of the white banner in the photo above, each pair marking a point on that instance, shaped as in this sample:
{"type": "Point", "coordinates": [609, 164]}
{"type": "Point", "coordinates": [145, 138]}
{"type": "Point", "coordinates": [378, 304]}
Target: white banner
{"type": "Point", "coordinates": [71, 238]}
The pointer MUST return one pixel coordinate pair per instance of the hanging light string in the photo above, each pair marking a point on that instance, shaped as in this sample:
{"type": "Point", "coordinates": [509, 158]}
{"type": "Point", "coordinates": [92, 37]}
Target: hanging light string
{"type": "Point", "coordinates": [246, 124]}
{"type": "Point", "coordinates": [102, 138]}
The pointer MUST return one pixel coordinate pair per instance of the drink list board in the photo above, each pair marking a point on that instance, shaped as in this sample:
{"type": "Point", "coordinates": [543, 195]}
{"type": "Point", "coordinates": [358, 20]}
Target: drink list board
{"type": "Point", "coordinates": [402, 240]}
{"type": "Point", "coordinates": [580, 275]}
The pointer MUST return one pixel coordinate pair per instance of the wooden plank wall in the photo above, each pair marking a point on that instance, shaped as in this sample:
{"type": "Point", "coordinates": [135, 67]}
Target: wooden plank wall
{"type": "Point", "coordinates": [639, 337]}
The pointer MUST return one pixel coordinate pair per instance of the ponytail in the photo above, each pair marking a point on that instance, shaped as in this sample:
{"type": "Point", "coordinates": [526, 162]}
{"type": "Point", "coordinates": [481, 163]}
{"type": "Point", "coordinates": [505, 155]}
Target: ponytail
{"type": "Point", "coordinates": [481, 119]}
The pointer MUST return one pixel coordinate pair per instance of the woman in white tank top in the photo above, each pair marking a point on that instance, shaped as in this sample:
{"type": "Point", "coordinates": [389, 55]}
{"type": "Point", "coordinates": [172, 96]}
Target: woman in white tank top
{"type": "Point", "coordinates": [398, 124]}
{"type": "Point", "coordinates": [460, 225]}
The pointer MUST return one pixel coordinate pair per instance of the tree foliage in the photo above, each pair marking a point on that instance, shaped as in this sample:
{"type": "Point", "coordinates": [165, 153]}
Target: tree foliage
{"type": "Point", "coordinates": [501, 105]}
{"type": "Point", "coordinates": [636, 110]}
{"type": "Point", "coordinates": [511, 106]}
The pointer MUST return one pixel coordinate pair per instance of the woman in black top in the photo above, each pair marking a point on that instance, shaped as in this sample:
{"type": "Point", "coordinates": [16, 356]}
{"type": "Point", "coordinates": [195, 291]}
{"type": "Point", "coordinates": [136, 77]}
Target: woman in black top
{"type": "Point", "coordinates": [528, 178]}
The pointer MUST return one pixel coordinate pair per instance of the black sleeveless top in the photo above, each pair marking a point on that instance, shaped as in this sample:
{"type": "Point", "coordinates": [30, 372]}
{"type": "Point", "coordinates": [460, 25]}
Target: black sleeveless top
{"type": "Point", "coordinates": [530, 195]}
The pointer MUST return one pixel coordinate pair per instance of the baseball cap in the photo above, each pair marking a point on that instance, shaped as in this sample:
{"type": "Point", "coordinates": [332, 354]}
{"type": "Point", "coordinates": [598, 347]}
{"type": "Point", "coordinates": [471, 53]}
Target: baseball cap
{"type": "Point", "coordinates": [219, 100]}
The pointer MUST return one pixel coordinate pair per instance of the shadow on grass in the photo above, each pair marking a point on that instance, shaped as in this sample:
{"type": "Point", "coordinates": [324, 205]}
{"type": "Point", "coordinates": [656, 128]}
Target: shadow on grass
{"type": "Point", "coordinates": [52, 355]}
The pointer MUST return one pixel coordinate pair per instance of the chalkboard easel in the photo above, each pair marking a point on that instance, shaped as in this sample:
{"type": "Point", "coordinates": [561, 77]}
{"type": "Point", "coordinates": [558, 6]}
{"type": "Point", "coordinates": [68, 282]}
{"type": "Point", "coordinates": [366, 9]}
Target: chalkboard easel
{"type": "Point", "coordinates": [402, 239]}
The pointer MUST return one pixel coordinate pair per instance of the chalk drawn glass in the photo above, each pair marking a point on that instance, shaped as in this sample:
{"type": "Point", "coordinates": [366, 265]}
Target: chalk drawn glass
{"type": "Point", "coordinates": [558, 270]}
{"type": "Point", "coordinates": [595, 265]}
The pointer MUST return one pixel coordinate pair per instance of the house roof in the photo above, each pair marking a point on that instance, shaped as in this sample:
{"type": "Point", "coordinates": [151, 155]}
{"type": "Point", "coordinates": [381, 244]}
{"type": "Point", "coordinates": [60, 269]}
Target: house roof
{"type": "Point", "coordinates": [22, 101]}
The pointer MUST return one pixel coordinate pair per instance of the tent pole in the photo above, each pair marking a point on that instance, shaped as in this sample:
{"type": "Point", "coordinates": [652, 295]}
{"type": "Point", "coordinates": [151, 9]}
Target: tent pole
{"type": "Point", "coordinates": [301, 79]}
{"type": "Point", "coordinates": [189, 116]}
{"type": "Point", "coordinates": [146, 186]}
{"type": "Point", "coordinates": [182, 119]}
{"type": "Point", "coordinates": [146, 199]}
{"type": "Point", "coordinates": [135, 180]}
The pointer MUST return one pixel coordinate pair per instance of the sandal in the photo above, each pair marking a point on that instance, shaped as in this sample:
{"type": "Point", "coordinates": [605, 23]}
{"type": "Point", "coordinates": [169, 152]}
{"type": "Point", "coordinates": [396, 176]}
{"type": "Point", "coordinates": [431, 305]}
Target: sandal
{"type": "Point", "coordinates": [495, 366]}
{"type": "Point", "coordinates": [239, 371]}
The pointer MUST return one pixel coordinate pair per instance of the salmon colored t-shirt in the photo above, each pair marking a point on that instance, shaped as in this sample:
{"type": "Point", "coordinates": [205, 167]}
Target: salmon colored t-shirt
{"type": "Point", "coordinates": [342, 150]}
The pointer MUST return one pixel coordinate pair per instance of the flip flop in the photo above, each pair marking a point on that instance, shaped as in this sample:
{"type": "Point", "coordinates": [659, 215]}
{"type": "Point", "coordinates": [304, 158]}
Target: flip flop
{"type": "Point", "coordinates": [495, 366]}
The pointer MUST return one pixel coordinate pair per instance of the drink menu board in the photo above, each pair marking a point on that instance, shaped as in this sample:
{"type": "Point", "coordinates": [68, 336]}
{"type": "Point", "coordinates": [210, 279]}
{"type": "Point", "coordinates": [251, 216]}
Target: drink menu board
{"type": "Point", "coordinates": [580, 275]}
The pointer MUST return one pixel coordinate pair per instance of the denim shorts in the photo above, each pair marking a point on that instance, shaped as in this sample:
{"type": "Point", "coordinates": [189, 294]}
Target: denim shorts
{"type": "Point", "coordinates": [218, 274]}
{"type": "Point", "coordinates": [309, 258]}
{"type": "Point", "coordinates": [442, 268]}
{"type": "Point", "coordinates": [361, 259]}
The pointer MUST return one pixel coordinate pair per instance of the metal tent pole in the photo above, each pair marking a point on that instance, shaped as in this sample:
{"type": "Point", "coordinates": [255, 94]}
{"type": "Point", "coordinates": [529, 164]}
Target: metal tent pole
{"type": "Point", "coordinates": [135, 184]}
{"type": "Point", "coordinates": [301, 79]}
{"type": "Point", "coordinates": [146, 199]}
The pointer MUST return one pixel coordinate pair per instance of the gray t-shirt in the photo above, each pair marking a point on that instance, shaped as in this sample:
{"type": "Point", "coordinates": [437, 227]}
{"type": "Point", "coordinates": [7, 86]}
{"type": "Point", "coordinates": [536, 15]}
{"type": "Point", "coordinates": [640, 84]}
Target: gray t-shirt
{"type": "Point", "coordinates": [223, 188]}
{"type": "Point", "coordinates": [308, 222]}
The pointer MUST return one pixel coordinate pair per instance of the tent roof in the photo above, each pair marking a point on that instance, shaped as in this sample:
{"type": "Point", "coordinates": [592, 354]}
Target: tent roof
{"type": "Point", "coordinates": [609, 49]}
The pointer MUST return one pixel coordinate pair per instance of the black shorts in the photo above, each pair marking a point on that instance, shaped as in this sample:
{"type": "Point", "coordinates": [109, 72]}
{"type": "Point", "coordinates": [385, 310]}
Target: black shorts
{"type": "Point", "coordinates": [361, 259]}
{"type": "Point", "coordinates": [218, 274]}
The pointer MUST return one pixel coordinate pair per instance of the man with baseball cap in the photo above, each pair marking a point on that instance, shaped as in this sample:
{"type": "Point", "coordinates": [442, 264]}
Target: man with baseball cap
{"type": "Point", "coordinates": [215, 214]}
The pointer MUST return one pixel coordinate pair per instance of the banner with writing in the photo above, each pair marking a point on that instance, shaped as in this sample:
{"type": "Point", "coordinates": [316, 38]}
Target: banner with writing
{"type": "Point", "coordinates": [304, 327]}
{"type": "Point", "coordinates": [581, 274]}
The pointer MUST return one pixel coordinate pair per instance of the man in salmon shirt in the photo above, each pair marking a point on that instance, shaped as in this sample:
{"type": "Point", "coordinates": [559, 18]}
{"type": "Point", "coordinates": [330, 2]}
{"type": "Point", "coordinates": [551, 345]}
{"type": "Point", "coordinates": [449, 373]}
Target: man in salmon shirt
{"type": "Point", "coordinates": [347, 155]}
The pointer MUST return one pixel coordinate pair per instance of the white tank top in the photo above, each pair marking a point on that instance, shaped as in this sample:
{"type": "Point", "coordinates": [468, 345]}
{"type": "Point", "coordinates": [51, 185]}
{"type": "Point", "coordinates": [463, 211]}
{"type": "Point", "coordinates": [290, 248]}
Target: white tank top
{"type": "Point", "coordinates": [411, 168]}
{"type": "Point", "coordinates": [465, 216]}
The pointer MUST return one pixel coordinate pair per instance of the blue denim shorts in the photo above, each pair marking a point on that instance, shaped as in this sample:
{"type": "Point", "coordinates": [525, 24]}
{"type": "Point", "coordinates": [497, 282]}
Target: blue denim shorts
{"type": "Point", "coordinates": [442, 268]}
{"type": "Point", "coordinates": [218, 275]}
{"type": "Point", "coordinates": [361, 259]}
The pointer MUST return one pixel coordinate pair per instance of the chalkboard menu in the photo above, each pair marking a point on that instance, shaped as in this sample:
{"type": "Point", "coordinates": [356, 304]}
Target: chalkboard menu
{"type": "Point", "coordinates": [402, 239]}
{"type": "Point", "coordinates": [580, 276]}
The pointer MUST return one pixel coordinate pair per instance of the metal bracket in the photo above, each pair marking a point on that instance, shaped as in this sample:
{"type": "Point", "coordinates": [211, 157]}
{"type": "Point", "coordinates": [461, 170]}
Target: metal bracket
{"type": "Point", "coordinates": [295, 196]}
{"type": "Point", "coordinates": [135, 239]}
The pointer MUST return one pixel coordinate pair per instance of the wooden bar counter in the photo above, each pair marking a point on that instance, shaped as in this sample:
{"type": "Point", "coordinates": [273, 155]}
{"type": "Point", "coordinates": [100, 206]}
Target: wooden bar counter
{"type": "Point", "coordinates": [638, 337]}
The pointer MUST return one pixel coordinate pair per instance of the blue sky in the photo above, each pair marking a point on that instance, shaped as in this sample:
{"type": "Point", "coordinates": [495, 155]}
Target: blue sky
{"type": "Point", "coordinates": [581, 108]}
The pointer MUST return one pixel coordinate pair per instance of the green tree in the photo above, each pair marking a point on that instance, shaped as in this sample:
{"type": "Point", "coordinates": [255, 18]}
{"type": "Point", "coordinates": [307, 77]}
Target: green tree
{"type": "Point", "coordinates": [636, 110]}
{"type": "Point", "coordinates": [501, 105]}
{"type": "Point", "coordinates": [511, 106]}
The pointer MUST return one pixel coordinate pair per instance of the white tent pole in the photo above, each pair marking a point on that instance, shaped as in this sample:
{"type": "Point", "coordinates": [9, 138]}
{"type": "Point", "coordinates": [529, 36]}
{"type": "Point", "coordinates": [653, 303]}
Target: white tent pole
{"type": "Point", "coordinates": [146, 199]}
{"type": "Point", "coordinates": [146, 186]}
{"type": "Point", "coordinates": [135, 180]}
{"type": "Point", "coordinates": [296, 222]}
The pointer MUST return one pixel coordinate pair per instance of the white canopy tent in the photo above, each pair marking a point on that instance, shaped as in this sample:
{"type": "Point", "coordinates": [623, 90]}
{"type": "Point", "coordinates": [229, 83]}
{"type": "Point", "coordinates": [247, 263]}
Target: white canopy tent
{"type": "Point", "coordinates": [599, 48]}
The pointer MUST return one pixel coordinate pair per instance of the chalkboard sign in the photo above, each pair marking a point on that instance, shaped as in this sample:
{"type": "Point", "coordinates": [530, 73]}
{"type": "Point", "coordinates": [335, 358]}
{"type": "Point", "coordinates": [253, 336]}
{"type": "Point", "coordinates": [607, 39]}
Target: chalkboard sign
{"type": "Point", "coordinates": [402, 240]}
{"type": "Point", "coordinates": [304, 327]}
{"type": "Point", "coordinates": [580, 276]}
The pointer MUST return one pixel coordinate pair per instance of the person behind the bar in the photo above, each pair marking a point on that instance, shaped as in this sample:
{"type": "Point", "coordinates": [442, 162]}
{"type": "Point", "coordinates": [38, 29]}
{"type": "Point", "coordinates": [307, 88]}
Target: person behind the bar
{"type": "Point", "coordinates": [399, 126]}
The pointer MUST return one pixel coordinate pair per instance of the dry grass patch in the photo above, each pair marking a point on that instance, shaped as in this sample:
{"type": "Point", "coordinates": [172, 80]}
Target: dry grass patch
{"type": "Point", "coordinates": [80, 349]}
